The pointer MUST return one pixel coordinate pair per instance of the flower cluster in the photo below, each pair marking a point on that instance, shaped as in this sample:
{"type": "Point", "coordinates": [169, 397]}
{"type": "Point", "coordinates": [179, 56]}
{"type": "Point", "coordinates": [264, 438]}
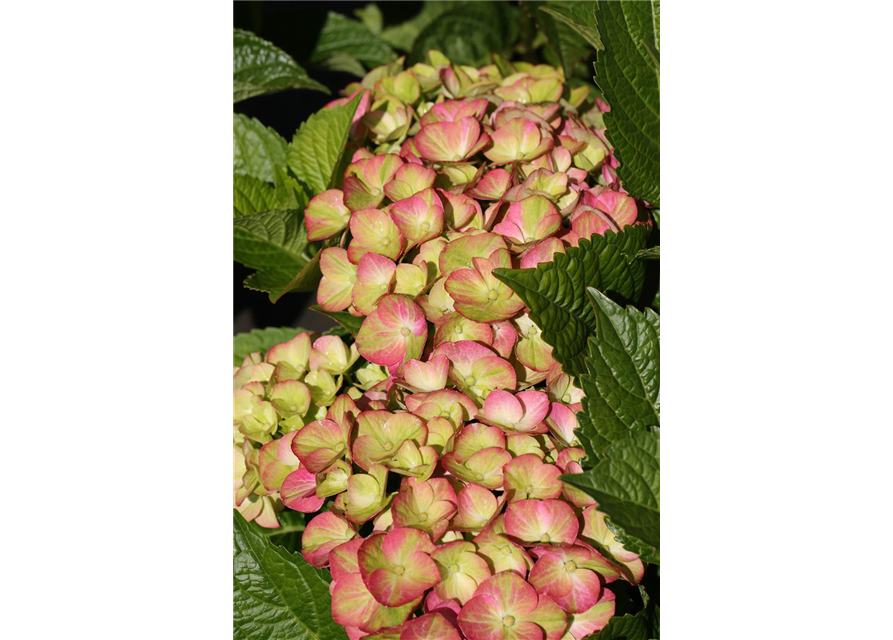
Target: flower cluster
{"type": "Point", "coordinates": [444, 445]}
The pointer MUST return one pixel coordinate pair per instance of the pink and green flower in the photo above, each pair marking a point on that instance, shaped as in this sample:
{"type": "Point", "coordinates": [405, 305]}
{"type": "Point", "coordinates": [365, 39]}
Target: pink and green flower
{"type": "Point", "coordinates": [322, 534]}
{"type": "Point", "coordinates": [519, 140]}
{"type": "Point", "coordinates": [528, 221]}
{"type": "Point", "coordinates": [394, 333]}
{"type": "Point", "coordinates": [528, 477]}
{"type": "Point", "coordinates": [373, 230]}
{"type": "Point", "coordinates": [477, 370]}
{"type": "Point", "coordinates": [365, 181]}
{"type": "Point", "coordinates": [427, 506]}
{"type": "Point", "coordinates": [461, 570]}
{"type": "Point", "coordinates": [596, 532]}
{"type": "Point", "coordinates": [325, 215]}
{"type": "Point", "coordinates": [451, 141]}
{"type": "Point", "coordinates": [431, 626]}
{"type": "Point", "coordinates": [571, 576]}
{"type": "Point", "coordinates": [409, 180]}
{"type": "Point", "coordinates": [418, 217]}
{"type": "Point", "coordinates": [523, 412]}
{"type": "Point", "coordinates": [365, 496]}
{"type": "Point", "coordinates": [476, 508]}
{"type": "Point", "coordinates": [533, 522]}
{"type": "Point", "coordinates": [478, 295]}
{"type": "Point", "coordinates": [397, 567]}
{"type": "Point", "coordinates": [376, 276]}
{"type": "Point", "coordinates": [319, 444]}
{"type": "Point", "coordinates": [339, 276]}
{"type": "Point", "coordinates": [382, 433]}
{"type": "Point", "coordinates": [506, 607]}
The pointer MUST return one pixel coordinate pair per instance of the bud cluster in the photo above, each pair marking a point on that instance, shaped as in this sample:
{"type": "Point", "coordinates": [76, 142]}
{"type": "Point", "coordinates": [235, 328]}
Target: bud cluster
{"type": "Point", "coordinates": [444, 445]}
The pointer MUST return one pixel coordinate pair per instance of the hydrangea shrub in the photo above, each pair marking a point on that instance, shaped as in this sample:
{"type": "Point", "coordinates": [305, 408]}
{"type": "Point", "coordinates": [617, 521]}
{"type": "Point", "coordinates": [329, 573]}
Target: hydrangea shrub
{"type": "Point", "coordinates": [431, 447]}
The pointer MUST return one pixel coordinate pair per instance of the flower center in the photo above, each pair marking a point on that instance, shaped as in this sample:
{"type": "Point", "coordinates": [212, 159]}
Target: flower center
{"type": "Point", "coordinates": [470, 380]}
{"type": "Point", "coordinates": [353, 279]}
{"type": "Point", "coordinates": [426, 226]}
{"type": "Point", "coordinates": [459, 330]}
{"type": "Point", "coordinates": [545, 538]}
{"type": "Point", "coordinates": [404, 332]}
{"type": "Point", "coordinates": [492, 295]}
{"type": "Point", "coordinates": [478, 476]}
{"type": "Point", "coordinates": [566, 397]}
{"type": "Point", "coordinates": [423, 517]}
{"type": "Point", "coordinates": [385, 242]}
{"type": "Point", "coordinates": [454, 568]}
{"type": "Point", "coordinates": [383, 287]}
{"type": "Point", "coordinates": [444, 414]}
{"type": "Point", "coordinates": [570, 566]}
{"type": "Point", "coordinates": [508, 621]}
{"type": "Point", "coordinates": [399, 570]}
{"type": "Point", "coordinates": [375, 191]}
{"type": "Point", "coordinates": [529, 489]}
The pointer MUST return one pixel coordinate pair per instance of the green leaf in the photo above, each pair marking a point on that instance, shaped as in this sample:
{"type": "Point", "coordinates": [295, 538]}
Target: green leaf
{"type": "Point", "coordinates": [257, 149]}
{"type": "Point", "coordinates": [626, 485]}
{"type": "Point", "coordinates": [622, 385]}
{"type": "Point", "coordinates": [345, 63]}
{"type": "Point", "coordinates": [579, 17]}
{"type": "Point", "coordinates": [259, 67]}
{"type": "Point", "coordinates": [371, 17]}
{"type": "Point", "coordinates": [555, 292]}
{"type": "Point", "coordinates": [316, 150]}
{"type": "Point", "coordinates": [274, 243]}
{"type": "Point", "coordinates": [570, 29]}
{"type": "Point", "coordinates": [252, 195]}
{"type": "Point", "coordinates": [342, 36]}
{"type": "Point", "coordinates": [628, 72]}
{"type": "Point", "coordinates": [644, 625]}
{"type": "Point", "coordinates": [261, 340]}
{"type": "Point", "coordinates": [648, 553]}
{"type": "Point", "coordinates": [469, 32]}
{"type": "Point", "coordinates": [277, 595]}
{"type": "Point", "coordinates": [402, 36]}
{"type": "Point", "coordinates": [655, 253]}
{"type": "Point", "coordinates": [350, 323]}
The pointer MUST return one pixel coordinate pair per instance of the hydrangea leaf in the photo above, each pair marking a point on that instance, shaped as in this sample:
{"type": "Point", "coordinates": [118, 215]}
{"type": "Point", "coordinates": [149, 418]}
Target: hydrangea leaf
{"type": "Point", "coordinates": [342, 36]}
{"type": "Point", "coordinates": [652, 253]}
{"type": "Point", "coordinates": [626, 484]}
{"type": "Point", "coordinates": [628, 72]}
{"type": "Point", "coordinates": [401, 36]}
{"type": "Point", "coordinates": [315, 151]}
{"type": "Point", "coordinates": [274, 243]}
{"type": "Point", "coordinates": [555, 292]}
{"type": "Point", "coordinates": [252, 195]}
{"type": "Point", "coordinates": [256, 149]}
{"type": "Point", "coordinates": [261, 340]}
{"type": "Point", "coordinates": [350, 323]}
{"type": "Point", "coordinates": [259, 68]}
{"type": "Point", "coordinates": [579, 16]}
{"type": "Point", "coordinates": [468, 33]}
{"type": "Point", "coordinates": [642, 626]}
{"type": "Point", "coordinates": [570, 29]}
{"type": "Point", "coordinates": [622, 385]}
{"type": "Point", "coordinates": [277, 595]}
